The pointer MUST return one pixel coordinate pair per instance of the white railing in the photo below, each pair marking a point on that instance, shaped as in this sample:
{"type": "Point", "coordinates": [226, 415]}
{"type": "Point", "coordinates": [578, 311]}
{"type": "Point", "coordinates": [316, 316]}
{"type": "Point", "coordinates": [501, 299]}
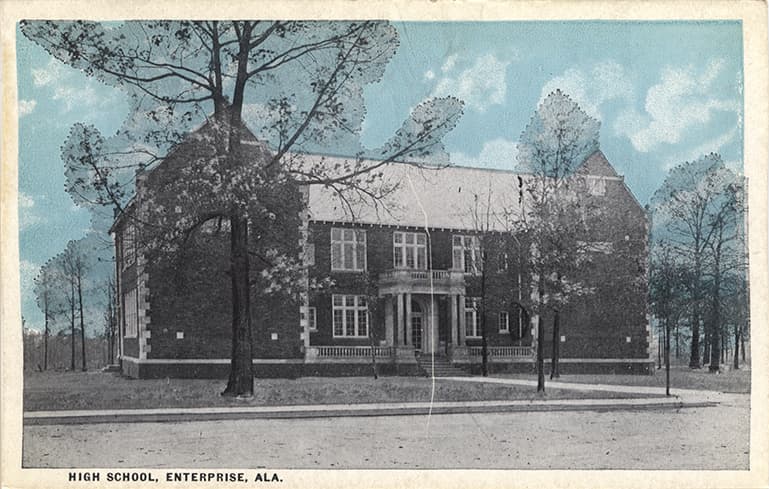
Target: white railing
{"type": "Point", "coordinates": [353, 351]}
{"type": "Point", "coordinates": [503, 351]}
{"type": "Point", "coordinates": [421, 274]}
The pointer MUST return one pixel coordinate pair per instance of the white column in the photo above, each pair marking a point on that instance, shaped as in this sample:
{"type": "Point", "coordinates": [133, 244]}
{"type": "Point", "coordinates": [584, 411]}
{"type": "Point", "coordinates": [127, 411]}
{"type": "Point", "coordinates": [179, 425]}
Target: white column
{"type": "Point", "coordinates": [462, 326]}
{"type": "Point", "coordinates": [408, 319]}
{"type": "Point", "coordinates": [453, 318]}
{"type": "Point", "coordinates": [399, 320]}
{"type": "Point", "coordinates": [388, 320]}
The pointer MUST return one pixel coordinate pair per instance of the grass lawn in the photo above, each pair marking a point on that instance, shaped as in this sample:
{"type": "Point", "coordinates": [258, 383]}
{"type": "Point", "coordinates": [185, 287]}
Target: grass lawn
{"type": "Point", "coordinates": [681, 377]}
{"type": "Point", "coordinates": [98, 390]}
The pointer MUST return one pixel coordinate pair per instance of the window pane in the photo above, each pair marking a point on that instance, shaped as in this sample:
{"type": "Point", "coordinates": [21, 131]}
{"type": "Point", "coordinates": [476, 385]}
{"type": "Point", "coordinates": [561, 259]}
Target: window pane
{"type": "Point", "coordinates": [469, 316]}
{"type": "Point", "coordinates": [421, 258]}
{"type": "Point", "coordinates": [362, 323]}
{"type": "Point", "coordinates": [421, 239]}
{"type": "Point", "coordinates": [398, 238]}
{"type": "Point", "coordinates": [349, 322]}
{"type": "Point", "coordinates": [360, 252]}
{"type": "Point", "coordinates": [457, 240]}
{"type": "Point", "coordinates": [409, 238]}
{"type": "Point", "coordinates": [336, 234]}
{"type": "Point", "coordinates": [312, 318]}
{"type": "Point", "coordinates": [362, 301]}
{"type": "Point", "coordinates": [349, 250]}
{"type": "Point", "coordinates": [336, 256]}
{"type": "Point", "coordinates": [348, 235]}
{"type": "Point", "coordinates": [410, 257]}
{"type": "Point", "coordinates": [397, 256]}
{"type": "Point", "coordinates": [338, 331]}
{"type": "Point", "coordinates": [503, 325]}
{"type": "Point", "coordinates": [458, 264]}
{"type": "Point", "coordinates": [360, 236]}
{"type": "Point", "coordinates": [338, 300]}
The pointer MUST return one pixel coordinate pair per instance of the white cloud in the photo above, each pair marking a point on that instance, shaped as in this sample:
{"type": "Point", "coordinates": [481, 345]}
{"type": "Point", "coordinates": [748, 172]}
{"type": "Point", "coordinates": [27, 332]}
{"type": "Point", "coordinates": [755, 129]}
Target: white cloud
{"type": "Point", "coordinates": [27, 273]}
{"type": "Point", "coordinates": [48, 74]}
{"type": "Point", "coordinates": [429, 75]}
{"type": "Point", "coordinates": [25, 201]}
{"type": "Point", "coordinates": [480, 86]}
{"type": "Point", "coordinates": [26, 107]}
{"type": "Point", "coordinates": [712, 146]}
{"type": "Point", "coordinates": [678, 102]}
{"type": "Point", "coordinates": [27, 215]}
{"type": "Point", "coordinates": [605, 81]}
{"type": "Point", "coordinates": [449, 64]}
{"type": "Point", "coordinates": [497, 153]}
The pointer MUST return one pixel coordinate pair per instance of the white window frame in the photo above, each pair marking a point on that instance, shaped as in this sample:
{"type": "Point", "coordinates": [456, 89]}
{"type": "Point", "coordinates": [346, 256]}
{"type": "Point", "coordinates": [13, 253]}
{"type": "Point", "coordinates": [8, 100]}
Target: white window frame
{"type": "Point", "coordinates": [348, 237]}
{"type": "Point", "coordinates": [359, 309]}
{"type": "Point", "coordinates": [504, 322]}
{"type": "Point", "coordinates": [400, 241]}
{"type": "Point", "coordinates": [596, 185]}
{"type": "Point", "coordinates": [131, 314]}
{"type": "Point", "coordinates": [128, 246]}
{"type": "Point", "coordinates": [468, 243]}
{"type": "Point", "coordinates": [312, 318]}
{"type": "Point", "coordinates": [472, 323]}
{"type": "Point", "coordinates": [309, 255]}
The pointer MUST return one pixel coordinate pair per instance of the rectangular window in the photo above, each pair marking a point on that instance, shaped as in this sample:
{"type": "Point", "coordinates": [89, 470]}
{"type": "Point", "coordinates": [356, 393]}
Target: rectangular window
{"type": "Point", "coordinates": [472, 327]}
{"type": "Point", "coordinates": [348, 249]}
{"type": "Point", "coordinates": [350, 315]}
{"type": "Point", "coordinates": [309, 254]}
{"type": "Point", "coordinates": [504, 322]}
{"type": "Point", "coordinates": [312, 318]}
{"type": "Point", "coordinates": [129, 246]}
{"type": "Point", "coordinates": [466, 253]}
{"type": "Point", "coordinates": [131, 314]}
{"type": "Point", "coordinates": [410, 250]}
{"type": "Point", "coordinates": [596, 185]}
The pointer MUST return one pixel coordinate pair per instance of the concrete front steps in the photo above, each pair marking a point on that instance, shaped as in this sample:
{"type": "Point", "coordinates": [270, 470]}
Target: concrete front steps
{"type": "Point", "coordinates": [439, 366]}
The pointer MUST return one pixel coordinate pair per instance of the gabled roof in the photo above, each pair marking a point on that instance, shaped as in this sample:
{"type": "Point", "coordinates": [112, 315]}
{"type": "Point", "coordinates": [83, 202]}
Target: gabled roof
{"type": "Point", "coordinates": [597, 164]}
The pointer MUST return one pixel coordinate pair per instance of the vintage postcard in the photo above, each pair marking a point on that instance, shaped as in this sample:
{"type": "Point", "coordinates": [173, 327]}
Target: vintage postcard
{"type": "Point", "coordinates": [431, 244]}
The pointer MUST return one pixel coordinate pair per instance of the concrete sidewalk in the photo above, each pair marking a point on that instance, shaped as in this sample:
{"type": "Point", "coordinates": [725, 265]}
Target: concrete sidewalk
{"type": "Point", "coordinates": [629, 389]}
{"type": "Point", "coordinates": [340, 410]}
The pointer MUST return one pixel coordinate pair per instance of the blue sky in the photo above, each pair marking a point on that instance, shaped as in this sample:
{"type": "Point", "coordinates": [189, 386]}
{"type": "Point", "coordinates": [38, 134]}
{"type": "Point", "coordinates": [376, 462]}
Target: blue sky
{"type": "Point", "coordinates": [665, 92]}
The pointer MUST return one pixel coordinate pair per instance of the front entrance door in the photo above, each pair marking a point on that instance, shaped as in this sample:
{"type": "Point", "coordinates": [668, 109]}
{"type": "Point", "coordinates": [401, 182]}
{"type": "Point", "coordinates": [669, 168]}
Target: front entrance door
{"type": "Point", "coordinates": [417, 318]}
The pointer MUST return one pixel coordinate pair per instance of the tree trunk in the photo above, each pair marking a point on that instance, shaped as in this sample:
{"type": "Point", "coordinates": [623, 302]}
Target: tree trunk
{"type": "Point", "coordinates": [736, 347]}
{"type": "Point", "coordinates": [715, 327]}
{"type": "Point", "coordinates": [540, 355]}
{"type": "Point", "coordinates": [82, 322]}
{"type": "Point", "coordinates": [45, 333]}
{"type": "Point", "coordinates": [484, 339]}
{"type": "Point", "coordinates": [678, 336]}
{"type": "Point", "coordinates": [72, 325]}
{"type": "Point", "coordinates": [706, 348]}
{"type": "Point", "coordinates": [554, 370]}
{"type": "Point", "coordinates": [660, 339]}
{"type": "Point", "coordinates": [241, 380]}
{"type": "Point", "coordinates": [667, 357]}
{"type": "Point", "coordinates": [742, 344]}
{"type": "Point", "coordinates": [372, 313]}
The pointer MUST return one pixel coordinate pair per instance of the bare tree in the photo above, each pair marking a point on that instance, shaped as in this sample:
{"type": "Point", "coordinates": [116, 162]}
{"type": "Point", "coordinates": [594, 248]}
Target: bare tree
{"type": "Point", "coordinates": [698, 214]}
{"type": "Point", "coordinates": [557, 140]}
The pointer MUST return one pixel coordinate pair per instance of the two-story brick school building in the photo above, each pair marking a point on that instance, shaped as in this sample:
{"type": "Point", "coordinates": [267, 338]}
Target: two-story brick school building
{"type": "Point", "coordinates": [405, 285]}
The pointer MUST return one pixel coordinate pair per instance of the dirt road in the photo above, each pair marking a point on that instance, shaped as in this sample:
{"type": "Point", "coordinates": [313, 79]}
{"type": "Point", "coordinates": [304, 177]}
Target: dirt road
{"type": "Point", "coordinates": [694, 438]}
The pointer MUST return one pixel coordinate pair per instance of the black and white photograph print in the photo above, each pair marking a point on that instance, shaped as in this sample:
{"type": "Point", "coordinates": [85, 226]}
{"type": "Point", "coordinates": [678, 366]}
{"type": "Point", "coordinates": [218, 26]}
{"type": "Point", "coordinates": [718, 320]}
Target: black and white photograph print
{"type": "Point", "coordinates": [257, 242]}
